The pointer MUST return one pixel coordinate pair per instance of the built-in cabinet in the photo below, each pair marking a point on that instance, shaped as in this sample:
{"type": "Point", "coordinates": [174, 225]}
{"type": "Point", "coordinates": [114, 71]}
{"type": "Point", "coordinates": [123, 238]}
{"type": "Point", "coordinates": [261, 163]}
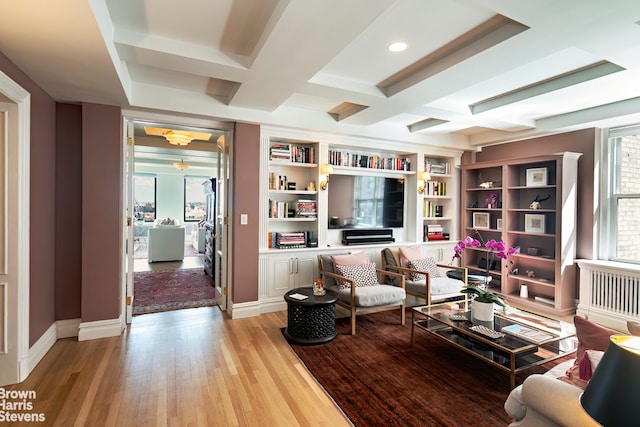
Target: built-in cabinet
{"type": "Point", "coordinates": [290, 182]}
{"type": "Point", "coordinates": [529, 203]}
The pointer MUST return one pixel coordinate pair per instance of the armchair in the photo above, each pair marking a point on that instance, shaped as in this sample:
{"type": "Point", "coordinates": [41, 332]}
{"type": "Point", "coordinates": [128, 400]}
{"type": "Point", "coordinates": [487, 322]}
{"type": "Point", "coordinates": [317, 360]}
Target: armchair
{"type": "Point", "coordinates": [359, 287]}
{"type": "Point", "coordinates": [424, 283]}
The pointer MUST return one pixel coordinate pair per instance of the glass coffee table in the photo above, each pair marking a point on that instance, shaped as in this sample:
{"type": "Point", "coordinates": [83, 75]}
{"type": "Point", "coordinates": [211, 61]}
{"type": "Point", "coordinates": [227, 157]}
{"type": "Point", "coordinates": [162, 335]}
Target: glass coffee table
{"type": "Point", "coordinates": [540, 339]}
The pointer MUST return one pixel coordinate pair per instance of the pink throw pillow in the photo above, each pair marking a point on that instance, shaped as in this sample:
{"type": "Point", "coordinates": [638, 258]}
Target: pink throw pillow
{"type": "Point", "coordinates": [591, 336]}
{"type": "Point", "coordinates": [407, 254]}
{"type": "Point", "coordinates": [356, 258]}
{"type": "Point", "coordinates": [633, 327]}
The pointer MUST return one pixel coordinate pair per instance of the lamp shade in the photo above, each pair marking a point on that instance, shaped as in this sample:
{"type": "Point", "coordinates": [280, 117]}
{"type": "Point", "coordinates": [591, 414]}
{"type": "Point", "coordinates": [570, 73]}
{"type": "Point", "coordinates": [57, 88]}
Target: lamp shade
{"type": "Point", "coordinates": [611, 396]}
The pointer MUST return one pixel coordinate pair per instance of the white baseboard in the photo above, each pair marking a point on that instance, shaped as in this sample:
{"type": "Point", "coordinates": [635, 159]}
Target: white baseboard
{"type": "Point", "coordinates": [270, 305]}
{"type": "Point", "coordinates": [40, 348]}
{"type": "Point", "coordinates": [68, 328]}
{"type": "Point", "coordinates": [100, 329]}
{"type": "Point", "coordinates": [244, 309]}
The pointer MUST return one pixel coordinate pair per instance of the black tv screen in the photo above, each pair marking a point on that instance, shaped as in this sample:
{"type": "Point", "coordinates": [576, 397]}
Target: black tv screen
{"type": "Point", "coordinates": [366, 201]}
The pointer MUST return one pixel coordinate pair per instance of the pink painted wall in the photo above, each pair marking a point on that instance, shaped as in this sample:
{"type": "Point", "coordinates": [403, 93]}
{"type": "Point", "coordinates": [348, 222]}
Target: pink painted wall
{"type": "Point", "coordinates": [68, 253]}
{"type": "Point", "coordinates": [582, 141]}
{"type": "Point", "coordinates": [42, 200]}
{"type": "Point", "coordinates": [101, 212]}
{"type": "Point", "coordinates": [244, 197]}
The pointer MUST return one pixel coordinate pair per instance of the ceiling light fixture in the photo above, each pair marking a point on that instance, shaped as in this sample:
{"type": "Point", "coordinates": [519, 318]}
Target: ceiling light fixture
{"type": "Point", "coordinates": [178, 138]}
{"type": "Point", "coordinates": [397, 47]}
{"type": "Point", "coordinates": [181, 165]}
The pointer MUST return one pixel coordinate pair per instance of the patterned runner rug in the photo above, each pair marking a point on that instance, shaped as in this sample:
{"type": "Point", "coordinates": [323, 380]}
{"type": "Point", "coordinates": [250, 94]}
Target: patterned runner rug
{"type": "Point", "coordinates": [156, 291]}
{"type": "Point", "coordinates": [377, 378]}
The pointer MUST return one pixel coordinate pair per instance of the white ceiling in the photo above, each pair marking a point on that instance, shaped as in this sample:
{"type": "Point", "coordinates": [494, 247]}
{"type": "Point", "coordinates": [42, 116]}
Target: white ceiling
{"type": "Point", "coordinates": [292, 62]}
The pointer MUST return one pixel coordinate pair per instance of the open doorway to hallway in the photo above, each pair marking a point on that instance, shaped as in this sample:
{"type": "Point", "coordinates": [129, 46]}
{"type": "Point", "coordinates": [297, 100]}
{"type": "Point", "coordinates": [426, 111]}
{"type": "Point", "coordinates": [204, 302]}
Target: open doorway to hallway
{"type": "Point", "coordinates": [169, 210]}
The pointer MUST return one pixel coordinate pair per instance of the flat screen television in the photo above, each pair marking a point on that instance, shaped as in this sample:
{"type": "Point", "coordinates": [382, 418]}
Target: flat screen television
{"type": "Point", "coordinates": [365, 201]}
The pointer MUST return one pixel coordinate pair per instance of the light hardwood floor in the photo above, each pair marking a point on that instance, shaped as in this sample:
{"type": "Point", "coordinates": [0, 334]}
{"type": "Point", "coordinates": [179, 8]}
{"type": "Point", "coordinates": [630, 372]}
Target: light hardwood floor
{"type": "Point", "coordinates": [194, 367]}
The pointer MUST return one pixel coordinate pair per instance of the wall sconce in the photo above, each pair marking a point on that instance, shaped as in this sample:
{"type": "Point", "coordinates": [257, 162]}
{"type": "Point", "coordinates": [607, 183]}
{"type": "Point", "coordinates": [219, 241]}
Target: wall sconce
{"type": "Point", "coordinates": [426, 176]}
{"type": "Point", "coordinates": [325, 171]}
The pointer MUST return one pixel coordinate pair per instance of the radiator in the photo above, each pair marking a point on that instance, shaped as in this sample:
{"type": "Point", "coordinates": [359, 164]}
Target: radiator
{"type": "Point", "coordinates": [609, 293]}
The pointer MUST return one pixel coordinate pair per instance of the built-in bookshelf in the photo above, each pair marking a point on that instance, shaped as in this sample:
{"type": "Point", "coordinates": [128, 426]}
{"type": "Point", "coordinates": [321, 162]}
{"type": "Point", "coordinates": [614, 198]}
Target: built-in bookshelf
{"type": "Point", "coordinates": [368, 160]}
{"type": "Point", "coordinates": [529, 203]}
{"type": "Point", "coordinates": [438, 206]}
{"type": "Point", "coordinates": [292, 189]}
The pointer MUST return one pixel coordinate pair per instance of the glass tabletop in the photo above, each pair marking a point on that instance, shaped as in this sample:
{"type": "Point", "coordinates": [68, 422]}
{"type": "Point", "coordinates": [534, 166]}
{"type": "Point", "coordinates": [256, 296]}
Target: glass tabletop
{"type": "Point", "coordinates": [515, 331]}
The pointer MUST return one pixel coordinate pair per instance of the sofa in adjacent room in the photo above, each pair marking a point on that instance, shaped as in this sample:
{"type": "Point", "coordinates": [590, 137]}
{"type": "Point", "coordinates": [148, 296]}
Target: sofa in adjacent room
{"type": "Point", "coordinates": [166, 243]}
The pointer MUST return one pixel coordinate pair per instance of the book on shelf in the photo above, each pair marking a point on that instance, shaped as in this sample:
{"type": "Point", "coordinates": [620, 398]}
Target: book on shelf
{"type": "Point", "coordinates": [544, 300]}
{"type": "Point", "coordinates": [291, 240]}
{"type": "Point", "coordinates": [437, 167]}
{"type": "Point", "coordinates": [432, 209]}
{"type": "Point", "coordinates": [369, 161]}
{"type": "Point", "coordinates": [306, 208]}
{"type": "Point", "coordinates": [280, 151]}
{"type": "Point", "coordinates": [535, 336]}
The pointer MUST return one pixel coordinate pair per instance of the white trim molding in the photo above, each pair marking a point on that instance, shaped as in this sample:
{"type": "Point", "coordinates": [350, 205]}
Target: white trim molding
{"type": "Point", "coordinates": [100, 329]}
{"type": "Point", "coordinates": [244, 309]}
{"type": "Point", "coordinates": [42, 346]}
{"type": "Point", "coordinates": [68, 328]}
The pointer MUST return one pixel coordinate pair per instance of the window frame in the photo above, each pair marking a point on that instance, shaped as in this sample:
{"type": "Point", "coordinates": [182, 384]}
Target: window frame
{"type": "Point", "coordinates": [155, 192]}
{"type": "Point", "coordinates": [610, 156]}
{"type": "Point", "coordinates": [203, 178]}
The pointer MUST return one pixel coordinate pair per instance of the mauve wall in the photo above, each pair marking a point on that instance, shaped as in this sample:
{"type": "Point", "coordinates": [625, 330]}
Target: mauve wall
{"type": "Point", "coordinates": [68, 211]}
{"type": "Point", "coordinates": [101, 212]}
{"type": "Point", "coordinates": [244, 196]}
{"type": "Point", "coordinates": [579, 142]}
{"type": "Point", "coordinates": [42, 209]}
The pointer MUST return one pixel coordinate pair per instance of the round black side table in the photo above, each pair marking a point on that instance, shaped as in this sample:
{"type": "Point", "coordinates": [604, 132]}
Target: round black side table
{"type": "Point", "coordinates": [311, 320]}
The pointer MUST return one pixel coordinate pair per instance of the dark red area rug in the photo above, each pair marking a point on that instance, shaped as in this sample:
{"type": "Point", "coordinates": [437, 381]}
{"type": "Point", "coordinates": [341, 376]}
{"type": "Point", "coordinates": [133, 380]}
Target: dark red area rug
{"type": "Point", "coordinates": [377, 378]}
{"type": "Point", "coordinates": [155, 291]}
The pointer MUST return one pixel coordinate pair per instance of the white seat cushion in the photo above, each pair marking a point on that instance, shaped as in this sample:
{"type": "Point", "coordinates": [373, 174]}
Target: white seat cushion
{"type": "Point", "coordinates": [372, 296]}
{"type": "Point", "coordinates": [439, 286]}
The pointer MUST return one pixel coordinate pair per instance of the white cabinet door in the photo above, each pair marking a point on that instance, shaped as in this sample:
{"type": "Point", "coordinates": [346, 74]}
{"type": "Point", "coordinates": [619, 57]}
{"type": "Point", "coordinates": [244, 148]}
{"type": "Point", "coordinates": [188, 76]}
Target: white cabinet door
{"type": "Point", "coordinates": [280, 275]}
{"type": "Point", "coordinates": [442, 253]}
{"type": "Point", "coordinates": [305, 271]}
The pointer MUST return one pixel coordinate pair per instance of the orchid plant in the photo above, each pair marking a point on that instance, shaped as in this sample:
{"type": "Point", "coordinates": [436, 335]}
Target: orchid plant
{"type": "Point", "coordinates": [494, 249]}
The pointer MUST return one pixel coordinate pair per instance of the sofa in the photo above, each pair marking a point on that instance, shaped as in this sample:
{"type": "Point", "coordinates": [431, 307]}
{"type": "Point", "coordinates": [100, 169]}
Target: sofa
{"type": "Point", "coordinates": [166, 243]}
{"type": "Point", "coordinates": [552, 398]}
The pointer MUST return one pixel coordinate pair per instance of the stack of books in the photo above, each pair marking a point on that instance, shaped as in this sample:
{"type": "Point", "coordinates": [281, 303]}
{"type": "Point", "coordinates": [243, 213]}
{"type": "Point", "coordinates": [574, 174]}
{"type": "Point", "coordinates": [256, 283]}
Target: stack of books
{"type": "Point", "coordinates": [434, 232]}
{"type": "Point", "coordinates": [306, 208]}
{"type": "Point", "coordinates": [535, 336]}
{"type": "Point", "coordinates": [291, 240]}
{"type": "Point", "coordinates": [280, 152]}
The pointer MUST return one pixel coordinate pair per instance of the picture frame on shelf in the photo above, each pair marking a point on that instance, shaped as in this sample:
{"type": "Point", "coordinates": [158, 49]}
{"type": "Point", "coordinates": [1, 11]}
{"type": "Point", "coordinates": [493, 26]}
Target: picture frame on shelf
{"type": "Point", "coordinates": [534, 223]}
{"type": "Point", "coordinates": [499, 224]}
{"type": "Point", "coordinates": [536, 177]}
{"type": "Point", "coordinates": [480, 220]}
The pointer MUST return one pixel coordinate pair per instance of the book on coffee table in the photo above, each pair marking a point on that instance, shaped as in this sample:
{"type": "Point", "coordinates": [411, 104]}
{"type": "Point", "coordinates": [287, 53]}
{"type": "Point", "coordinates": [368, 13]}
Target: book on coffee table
{"type": "Point", "coordinates": [527, 334]}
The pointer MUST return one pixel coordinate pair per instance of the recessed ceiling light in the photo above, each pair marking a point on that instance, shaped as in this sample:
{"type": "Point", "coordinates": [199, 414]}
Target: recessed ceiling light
{"type": "Point", "coordinates": [397, 47]}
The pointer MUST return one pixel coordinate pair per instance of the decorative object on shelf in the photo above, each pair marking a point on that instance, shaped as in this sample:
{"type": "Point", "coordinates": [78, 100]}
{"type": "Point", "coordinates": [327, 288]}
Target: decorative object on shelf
{"type": "Point", "coordinates": [491, 200]}
{"type": "Point", "coordinates": [499, 224]}
{"type": "Point", "coordinates": [537, 203]}
{"type": "Point", "coordinates": [480, 220]}
{"type": "Point", "coordinates": [325, 172]}
{"type": "Point", "coordinates": [426, 176]}
{"type": "Point", "coordinates": [533, 251]}
{"type": "Point", "coordinates": [534, 223]}
{"type": "Point", "coordinates": [524, 291]}
{"type": "Point", "coordinates": [318, 287]}
{"type": "Point", "coordinates": [181, 165]}
{"type": "Point", "coordinates": [311, 186]}
{"type": "Point", "coordinates": [531, 274]}
{"type": "Point", "coordinates": [536, 177]}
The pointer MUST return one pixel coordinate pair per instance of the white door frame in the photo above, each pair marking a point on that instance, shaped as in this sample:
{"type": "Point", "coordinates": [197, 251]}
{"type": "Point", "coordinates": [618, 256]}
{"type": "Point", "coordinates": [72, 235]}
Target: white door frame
{"type": "Point", "coordinates": [14, 262]}
{"type": "Point", "coordinates": [127, 189]}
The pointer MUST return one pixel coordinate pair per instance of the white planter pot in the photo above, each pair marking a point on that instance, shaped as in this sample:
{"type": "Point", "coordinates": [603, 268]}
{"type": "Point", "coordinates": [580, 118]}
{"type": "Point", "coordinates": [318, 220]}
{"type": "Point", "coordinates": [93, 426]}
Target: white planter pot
{"type": "Point", "coordinates": [482, 311]}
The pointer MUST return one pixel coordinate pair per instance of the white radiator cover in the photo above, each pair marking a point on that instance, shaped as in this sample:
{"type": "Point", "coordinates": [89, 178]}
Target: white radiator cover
{"type": "Point", "coordinates": [609, 293]}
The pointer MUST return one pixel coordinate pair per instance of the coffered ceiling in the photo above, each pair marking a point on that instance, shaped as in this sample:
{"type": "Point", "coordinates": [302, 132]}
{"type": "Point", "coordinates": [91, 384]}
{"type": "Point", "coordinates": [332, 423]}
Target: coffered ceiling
{"type": "Point", "coordinates": [474, 71]}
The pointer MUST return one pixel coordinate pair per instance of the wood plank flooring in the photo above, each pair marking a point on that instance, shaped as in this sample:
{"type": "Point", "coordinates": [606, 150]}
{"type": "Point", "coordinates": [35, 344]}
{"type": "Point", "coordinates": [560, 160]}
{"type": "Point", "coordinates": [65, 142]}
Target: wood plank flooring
{"type": "Point", "coordinates": [194, 367]}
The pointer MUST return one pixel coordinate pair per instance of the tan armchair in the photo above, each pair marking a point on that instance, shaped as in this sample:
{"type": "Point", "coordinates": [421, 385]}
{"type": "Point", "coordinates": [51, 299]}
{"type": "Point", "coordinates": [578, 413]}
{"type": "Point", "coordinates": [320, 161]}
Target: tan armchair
{"type": "Point", "coordinates": [431, 289]}
{"type": "Point", "coordinates": [363, 299]}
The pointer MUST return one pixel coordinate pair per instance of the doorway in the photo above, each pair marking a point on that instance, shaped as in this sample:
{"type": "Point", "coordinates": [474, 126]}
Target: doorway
{"type": "Point", "coordinates": [167, 206]}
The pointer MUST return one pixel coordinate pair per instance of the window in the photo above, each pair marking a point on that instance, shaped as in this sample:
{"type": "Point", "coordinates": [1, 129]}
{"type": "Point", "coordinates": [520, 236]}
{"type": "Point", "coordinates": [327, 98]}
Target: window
{"type": "Point", "coordinates": [621, 231]}
{"type": "Point", "coordinates": [195, 201]}
{"type": "Point", "coordinates": [144, 197]}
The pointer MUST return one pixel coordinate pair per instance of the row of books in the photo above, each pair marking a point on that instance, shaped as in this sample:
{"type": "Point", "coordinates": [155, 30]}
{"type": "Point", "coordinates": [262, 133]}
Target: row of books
{"type": "Point", "coordinates": [292, 153]}
{"type": "Point", "coordinates": [357, 160]}
{"type": "Point", "coordinates": [432, 210]}
{"type": "Point", "coordinates": [437, 167]}
{"type": "Point", "coordinates": [290, 240]}
{"type": "Point", "coordinates": [296, 209]}
{"type": "Point", "coordinates": [280, 182]}
{"type": "Point", "coordinates": [435, 188]}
